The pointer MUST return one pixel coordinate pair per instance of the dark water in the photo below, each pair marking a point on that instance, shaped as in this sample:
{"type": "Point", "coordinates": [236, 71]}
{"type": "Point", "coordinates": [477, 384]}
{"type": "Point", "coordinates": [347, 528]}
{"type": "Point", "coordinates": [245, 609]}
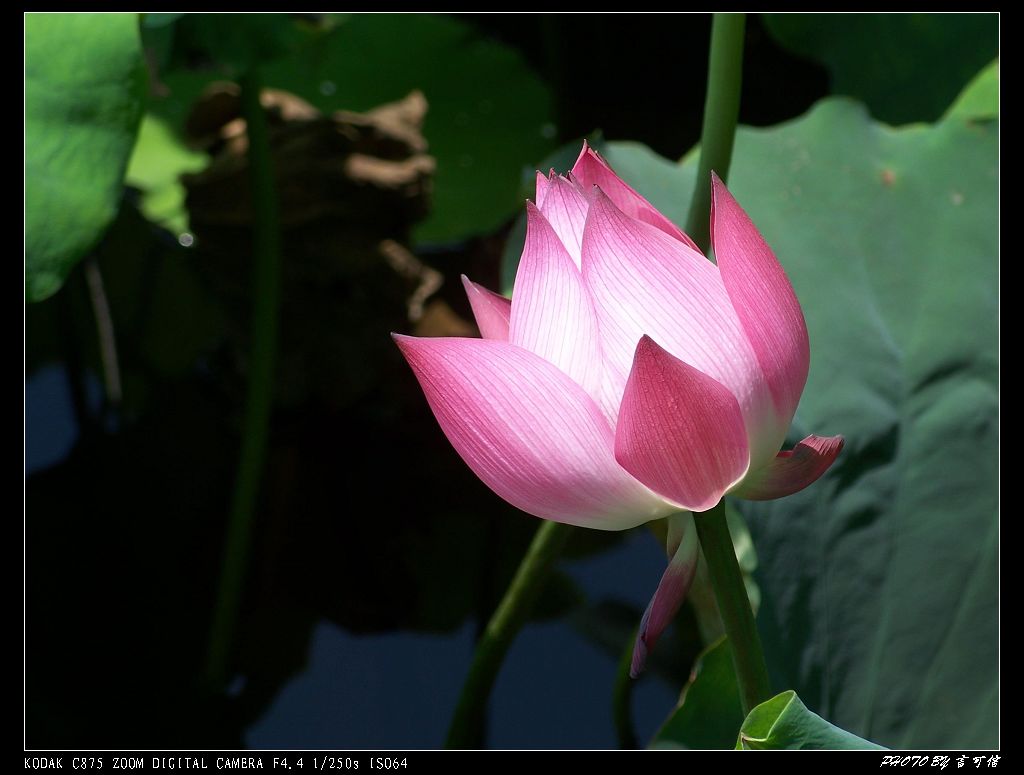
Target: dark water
{"type": "Point", "coordinates": [399, 689]}
{"type": "Point", "coordinates": [50, 427]}
{"type": "Point", "coordinates": [396, 690]}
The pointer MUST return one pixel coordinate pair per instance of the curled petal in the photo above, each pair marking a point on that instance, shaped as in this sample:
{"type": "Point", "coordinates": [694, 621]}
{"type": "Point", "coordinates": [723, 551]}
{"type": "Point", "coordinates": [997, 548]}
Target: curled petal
{"type": "Point", "coordinates": [763, 299]}
{"type": "Point", "coordinates": [552, 313]}
{"type": "Point", "coordinates": [592, 170]}
{"type": "Point", "coordinates": [492, 311]}
{"type": "Point", "coordinates": [671, 592]}
{"type": "Point", "coordinates": [529, 432]}
{"type": "Point", "coordinates": [680, 432]}
{"type": "Point", "coordinates": [793, 470]}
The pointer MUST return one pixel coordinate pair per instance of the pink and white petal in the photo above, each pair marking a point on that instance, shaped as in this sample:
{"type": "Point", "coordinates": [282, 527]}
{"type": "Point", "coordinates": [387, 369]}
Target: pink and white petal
{"type": "Point", "coordinates": [592, 170]}
{"type": "Point", "coordinates": [542, 188]}
{"type": "Point", "coordinates": [763, 299]}
{"type": "Point", "coordinates": [565, 208]}
{"type": "Point", "coordinates": [672, 589]}
{"type": "Point", "coordinates": [552, 313]}
{"type": "Point", "coordinates": [529, 432]}
{"type": "Point", "coordinates": [793, 470]}
{"type": "Point", "coordinates": [644, 282]}
{"type": "Point", "coordinates": [680, 432]}
{"type": "Point", "coordinates": [492, 311]}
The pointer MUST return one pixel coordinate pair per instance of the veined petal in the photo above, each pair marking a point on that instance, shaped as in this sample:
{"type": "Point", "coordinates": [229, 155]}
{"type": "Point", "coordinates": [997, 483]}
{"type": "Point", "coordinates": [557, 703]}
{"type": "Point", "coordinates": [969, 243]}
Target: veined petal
{"type": "Point", "coordinates": [671, 592]}
{"type": "Point", "coordinates": [565, 208]}
{"type": "Point", "coordinates": [529, 432]}
{"type": "Point", "coordinates": [763, 299]}
{"type": "Point", "coordinates": [542, 188]}
{"type": "Point", "coordinates": [792, 470]}
{"type": "Point", "coordinates": [491, 310]}
{"type": "Point", "coordinates": [592, 170]}
{"type": "Point", "coordinates": [552, 313]}
{"type": "Point", "coordinates": [644, 282]}
{"type": "Point", "coordinates": [680, 432]}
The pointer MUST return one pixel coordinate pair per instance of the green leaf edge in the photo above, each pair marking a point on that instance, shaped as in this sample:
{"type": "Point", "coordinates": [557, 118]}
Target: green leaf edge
{"type": "Point", "coordinates": [979, 100]}
{"type": "Point", "coordinates": [770, 723]}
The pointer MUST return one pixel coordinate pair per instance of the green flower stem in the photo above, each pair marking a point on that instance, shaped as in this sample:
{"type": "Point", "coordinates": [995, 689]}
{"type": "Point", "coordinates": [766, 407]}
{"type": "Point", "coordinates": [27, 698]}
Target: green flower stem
{"type": "Point", "coordinates": [622, 697]}
{"type": "Point", "coordinates": [466, 730]}
{"type": "Point", "coordinates": [734, 607]}
{"type": "Point", "coordinates": [266, 247]}
{"type": "Point", "coordinates": [721, 110]}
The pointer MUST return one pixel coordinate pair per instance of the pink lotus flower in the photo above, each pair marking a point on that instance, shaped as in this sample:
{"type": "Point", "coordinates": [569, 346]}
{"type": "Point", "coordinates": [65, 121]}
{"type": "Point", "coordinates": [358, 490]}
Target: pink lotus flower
{"type": "Point", "coordinates": [629, 378]}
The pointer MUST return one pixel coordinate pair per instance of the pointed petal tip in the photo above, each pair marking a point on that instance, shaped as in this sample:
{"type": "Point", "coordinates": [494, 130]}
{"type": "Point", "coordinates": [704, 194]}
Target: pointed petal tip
{"type": "Point", "coordinates": [648, 351]}
{"type": "Point", "coordinates": [591, 152]}
{"type": "Point", "coordinates": [404, 341]}
{"type": "Point", "coordinates": [719, 192]}
{"type": "Point", "coordinates": [599, 198]}
{"type": "Point", "coordinates": [491, 310]}
{"type": "Point", "coordinates": [583, 152]}
{"type": "Point", "coordinates": [540, 188]}
{"type": "Point", "coordinates": [472, 287]}
{"type": "Point", "coordinates": [648, 345]}
{"type": "Point", "coordinates": [591, 168]}
{"type": "Point", "coordinates": [534, 218]}
{"type": "Point", "coordinates": [587, 158]}
{"type": "Point", "coordinates": [717, 187]}
{"type": "Point", "coordinates": [406, 344]}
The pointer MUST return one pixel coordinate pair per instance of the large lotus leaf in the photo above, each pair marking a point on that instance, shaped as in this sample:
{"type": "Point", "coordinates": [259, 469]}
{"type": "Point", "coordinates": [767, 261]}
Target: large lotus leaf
{"type": "Point", "coordinates": [709, 712]}
{"type": "Point", "coordinates": [84, 84]}
{"type": "Point", "coordinates": [905, 67]}
{"type": "Point", "coordinates": [879, 583]}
